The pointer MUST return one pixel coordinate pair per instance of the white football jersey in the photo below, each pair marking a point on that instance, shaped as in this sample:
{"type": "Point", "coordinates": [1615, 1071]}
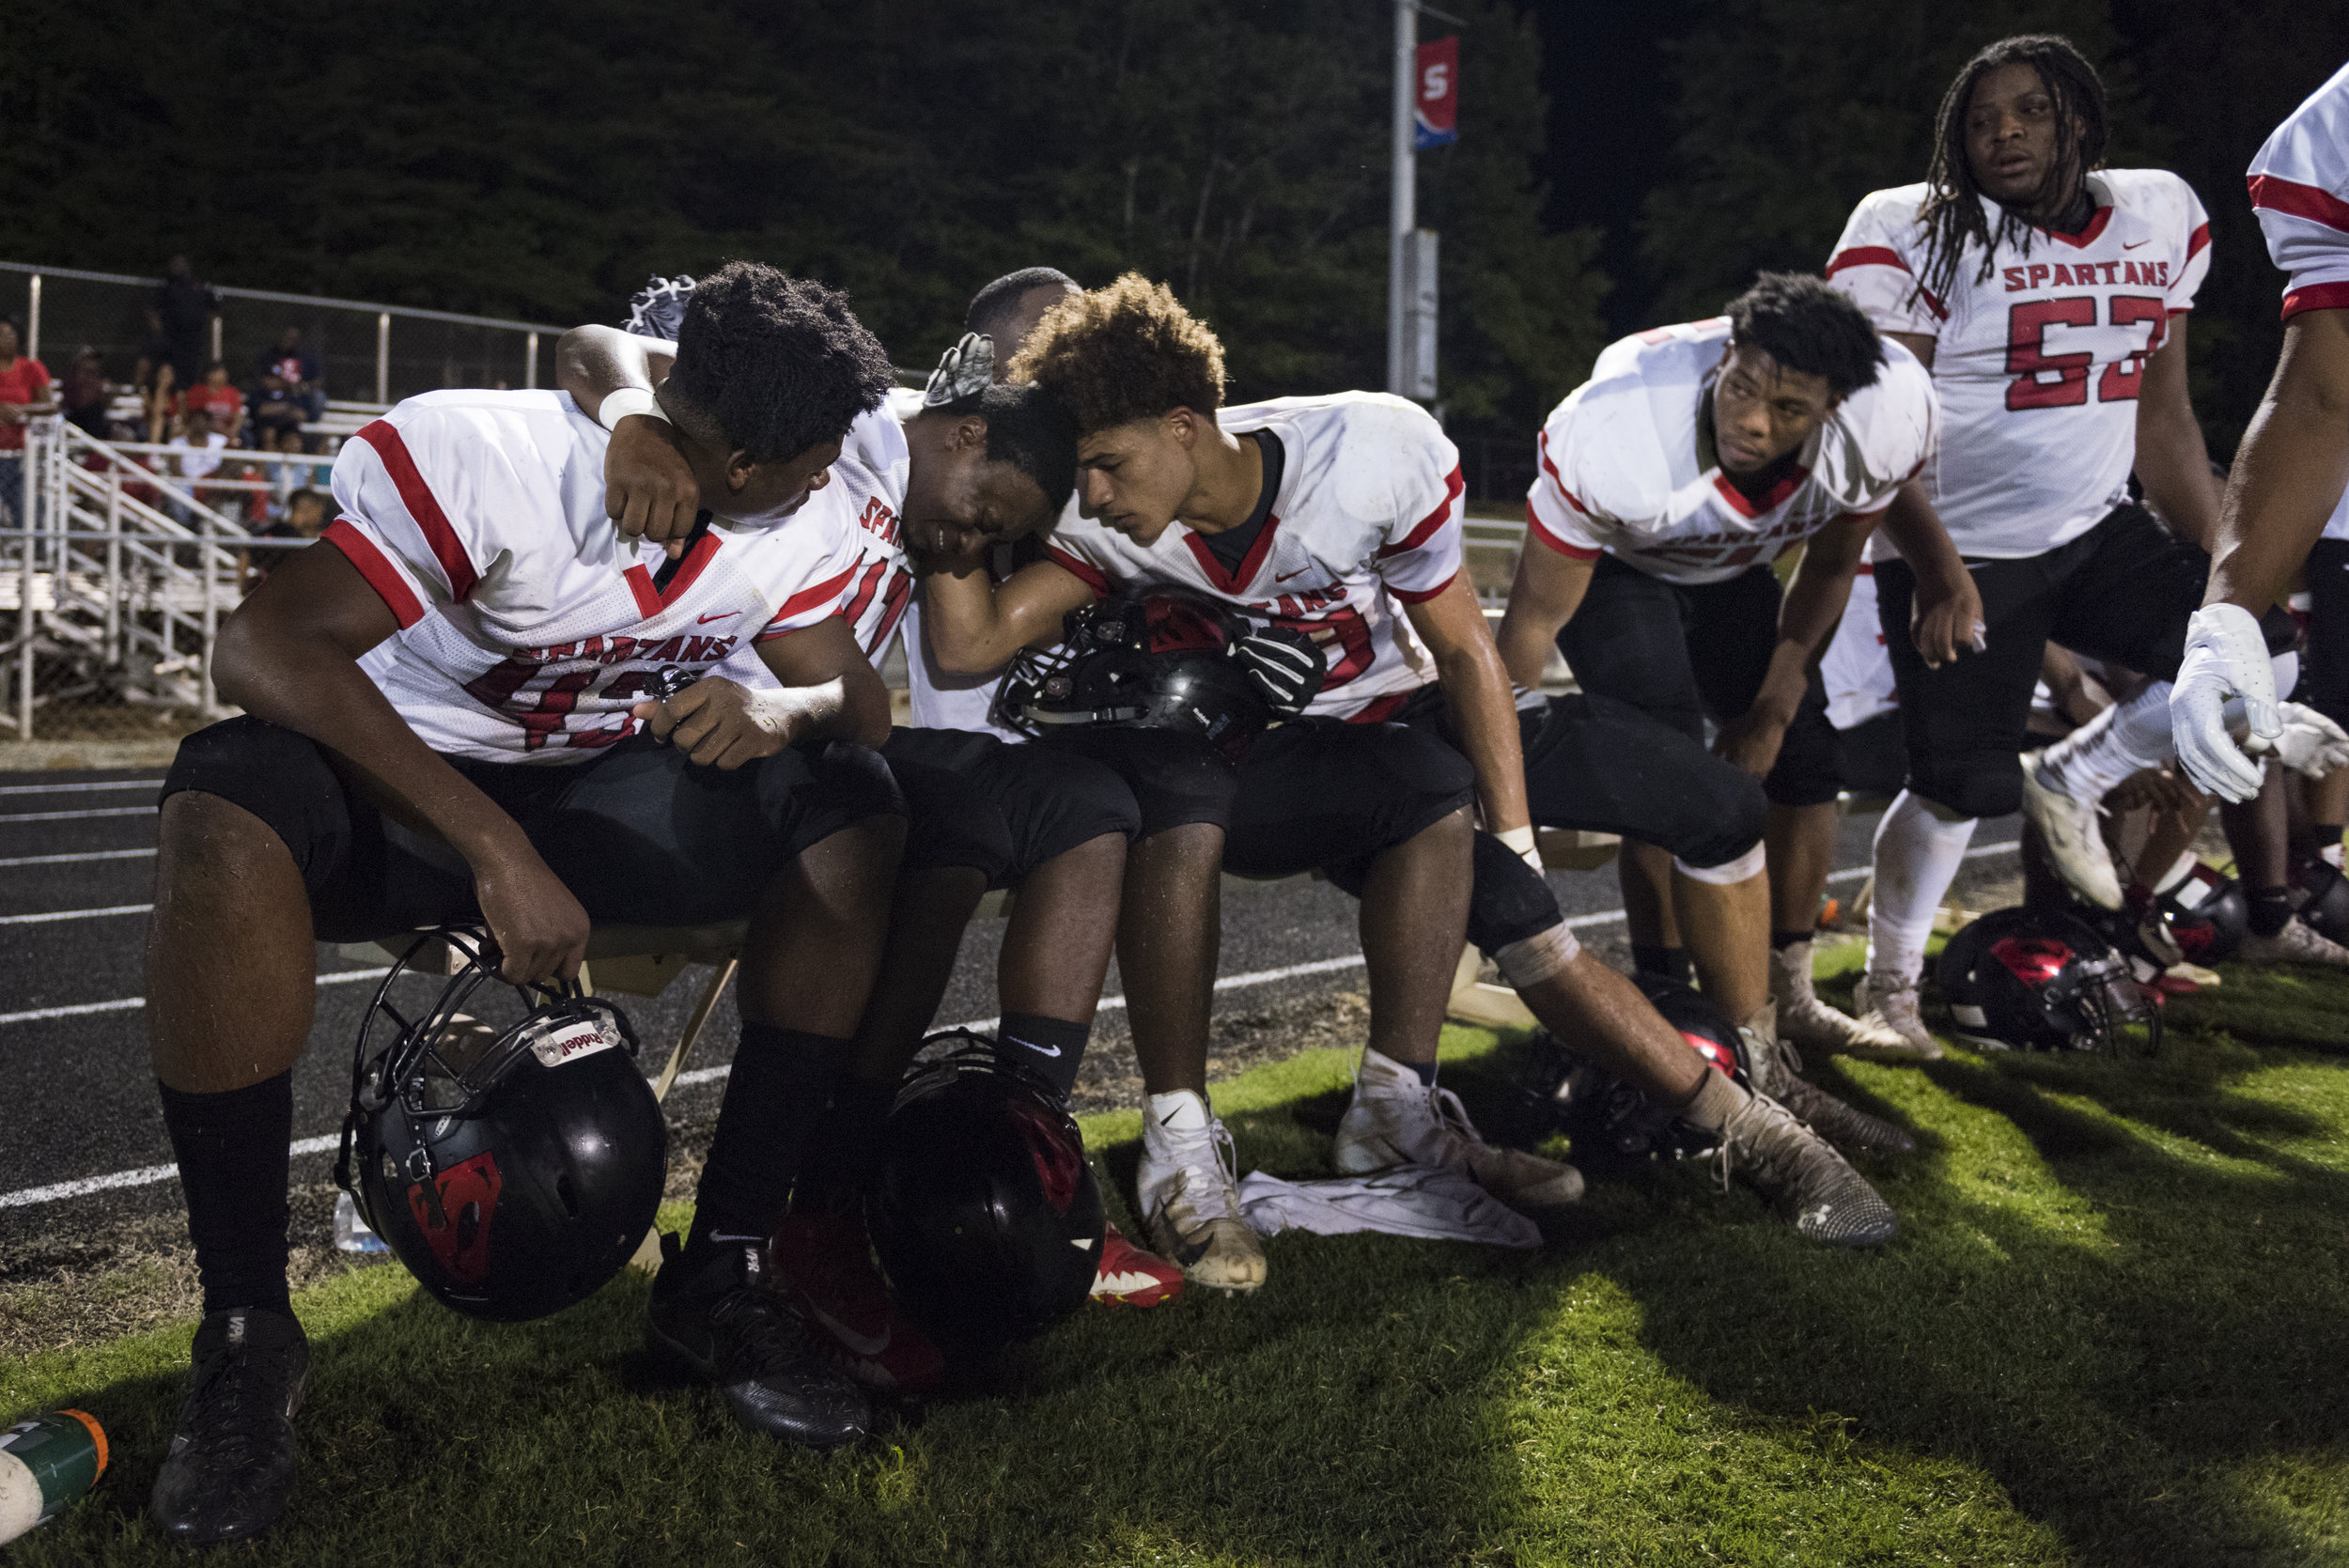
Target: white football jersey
{"type": "Point", "coordinates": [529, 626]}
{"type": "Point", "coordinates": [2300, 190]}
{"type": "Point", "coordinates": [1856, 669]}
{"type": "Point", "coordinates": [943, 700]}
{"type": "Point", "coordinates": [1368, 513]}
{"type": "Point", "coordinates": [1626, 469]}
{"type": "Point", "coordinates": [2038, 364]}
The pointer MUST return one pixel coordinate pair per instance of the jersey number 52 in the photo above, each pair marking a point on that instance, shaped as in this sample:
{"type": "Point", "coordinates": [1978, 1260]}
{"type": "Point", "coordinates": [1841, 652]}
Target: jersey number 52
{"type": "Point", "coordinates": [2031, 364]}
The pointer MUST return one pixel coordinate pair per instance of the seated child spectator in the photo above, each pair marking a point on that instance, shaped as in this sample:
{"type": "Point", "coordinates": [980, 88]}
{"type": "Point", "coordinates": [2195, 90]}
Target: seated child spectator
{"type": "Point", "coordinates": [226, 403]}
{"type": "Point", "coordinates": [84, 394]}
{"type": "Point", "coordinates": [291, 386]}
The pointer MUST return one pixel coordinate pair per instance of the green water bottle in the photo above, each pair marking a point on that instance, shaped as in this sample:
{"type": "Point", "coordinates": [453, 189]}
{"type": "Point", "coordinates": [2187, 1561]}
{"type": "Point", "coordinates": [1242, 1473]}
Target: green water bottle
{"type": "Point", "coordinates": [45, 1463]}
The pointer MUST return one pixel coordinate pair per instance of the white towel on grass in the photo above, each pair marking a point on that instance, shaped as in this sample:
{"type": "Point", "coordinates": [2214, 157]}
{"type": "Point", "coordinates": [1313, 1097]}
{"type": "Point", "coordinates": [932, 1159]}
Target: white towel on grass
{"type": "Point", "coordinates": [1433, 1202]}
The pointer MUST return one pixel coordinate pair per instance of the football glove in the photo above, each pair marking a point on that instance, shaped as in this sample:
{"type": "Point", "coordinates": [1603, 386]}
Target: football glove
{"type": "Point", "coordinates": [2225, 665]}
{"type": "Point", "coordinates": [2311, 743]}
{"type": "Point", "coordinates": [1283, 666]}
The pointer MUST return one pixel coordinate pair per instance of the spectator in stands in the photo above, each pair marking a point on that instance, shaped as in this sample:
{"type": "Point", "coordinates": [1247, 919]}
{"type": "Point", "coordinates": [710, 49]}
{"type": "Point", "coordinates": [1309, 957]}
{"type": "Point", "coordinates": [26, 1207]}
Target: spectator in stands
{"type": "Point", "coordinates": [158, 400]}
{"type": "Point", "coordinates": [181, 320]}
{"type": "Point", "coordinates": [305, 519]}
{"type": "Point", "coordinates": [291, 386]}
{"type": "Point", "coordinates": [224, 403]}
{"type": "Point", "coordinates": [84, 394]}
{"type": "Point", "coordinates": [24, 395]}
{"type": "Point", "coordinates": [195, 455]}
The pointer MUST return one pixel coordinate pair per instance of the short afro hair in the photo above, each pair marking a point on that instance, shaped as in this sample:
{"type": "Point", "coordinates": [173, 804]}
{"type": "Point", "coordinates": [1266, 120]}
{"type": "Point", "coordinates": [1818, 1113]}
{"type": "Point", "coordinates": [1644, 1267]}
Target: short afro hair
{"type": "Point", "coordinates": [775, 363]}
{"type": "Point", "coordinates": [1126, 352]}
{"type": "Point", "coordinates": [993, 308]}
{"type": "Point", "coordinates": [1810, 326]}
{"type": "Point", "coordinates": [1029, 429]}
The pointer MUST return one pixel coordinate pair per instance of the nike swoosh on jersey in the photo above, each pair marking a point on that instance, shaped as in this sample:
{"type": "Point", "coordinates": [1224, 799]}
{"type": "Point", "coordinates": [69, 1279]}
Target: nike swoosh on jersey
{"type": "Point", "coordinates": [1284, 577]}
{"type": "Point", "coordinates": [719, 616]}
{"type": "Point", "coordinates": [2140, 242]}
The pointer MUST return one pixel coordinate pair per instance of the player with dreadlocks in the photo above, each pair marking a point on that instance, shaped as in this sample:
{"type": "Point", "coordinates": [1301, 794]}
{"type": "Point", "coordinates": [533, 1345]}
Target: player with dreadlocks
{"type": "Point", "coordinates": [2049, 296]}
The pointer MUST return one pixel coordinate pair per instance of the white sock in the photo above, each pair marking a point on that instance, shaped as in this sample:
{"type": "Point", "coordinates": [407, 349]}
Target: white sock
{"type": "Point", "coordinates": [1919, 845]}
{"type": "Point", "coordinates": [2124, 738]}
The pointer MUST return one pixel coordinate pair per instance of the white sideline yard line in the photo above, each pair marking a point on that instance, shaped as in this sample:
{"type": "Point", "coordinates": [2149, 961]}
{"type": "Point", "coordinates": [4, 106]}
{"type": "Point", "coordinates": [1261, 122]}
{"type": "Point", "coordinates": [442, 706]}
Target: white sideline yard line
{"type": "Point", "coordinates": [75, 914]}
{"type": "Point", "coordinates": [69, 860]}
{"type": "Point", "coordinates": [149, 1174]}
{"type": "Point", "coordinates": [124, 1005]}
{"type": "Point", "coordinates": [6, 817]}
{"type": "Point", "coordinates": [76, 788]}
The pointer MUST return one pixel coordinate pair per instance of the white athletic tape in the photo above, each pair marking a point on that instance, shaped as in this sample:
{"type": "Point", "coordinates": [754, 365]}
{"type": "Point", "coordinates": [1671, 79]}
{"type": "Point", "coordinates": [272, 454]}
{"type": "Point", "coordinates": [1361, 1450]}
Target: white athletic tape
{"type": "Point", "coordinates": [1743, 869]}
{"type": "Point", "coordinates": [1537, 958]}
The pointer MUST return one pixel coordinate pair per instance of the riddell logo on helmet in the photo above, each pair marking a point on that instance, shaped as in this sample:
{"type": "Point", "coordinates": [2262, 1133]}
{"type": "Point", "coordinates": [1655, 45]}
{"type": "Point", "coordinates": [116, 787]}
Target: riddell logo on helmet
{"type": "Point", "coordinates": [571, 1043]}
{"type": "Point", "coordinates": [2033, 960]}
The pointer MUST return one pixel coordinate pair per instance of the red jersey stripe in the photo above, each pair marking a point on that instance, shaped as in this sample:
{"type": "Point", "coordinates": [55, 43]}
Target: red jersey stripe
{"type": "Point", "coordinates": [422, 505]}
{"type": "Point", "coordinates": [2198, 241]}
{"type": "Point", "coordinates": [1079, 570]}
{"type": "Point", "coordinates": [808, 598]}
{"type": "Point", "coordinates": [1541, 532]}
{"type": "Point", "coordinates": [1425, 528]}
{"type": "Point", "coordinates": [2316, 296]}
{"type": "Point", "coordinates": [2300, 201]}
{"type": "Point", "coordinates": [380, 574]}
{"type": "Point", "coordinates": [1422, 596]}
{"type": "Point", "coordinates": [647, 597]}
{"type": "Point", "coordinates": [1884, 256]}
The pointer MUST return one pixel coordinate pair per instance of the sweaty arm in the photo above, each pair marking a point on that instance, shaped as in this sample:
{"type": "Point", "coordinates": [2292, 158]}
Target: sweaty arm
{"type": "Point", "coordinates": [1806, 619]}
{"type": "Point", "coordinates": [1945, 618]}
{"type": "Point", "coordinates": [648, 486]}
{"type": "Point", "coordinates": [1476, 689]}
{"type": "Point", "coordinates": [290, 655]}
{"type": "Point", "coordinates": [830, 693]}
{"type": "Point", "coordinates": [2288, 477]}
{"type": "Point", "coordinates": [975, 625]}
{"type": "Point", "coordinates": [2171, 461]}
{"type": "Point", "coordinates": [1547, 591]}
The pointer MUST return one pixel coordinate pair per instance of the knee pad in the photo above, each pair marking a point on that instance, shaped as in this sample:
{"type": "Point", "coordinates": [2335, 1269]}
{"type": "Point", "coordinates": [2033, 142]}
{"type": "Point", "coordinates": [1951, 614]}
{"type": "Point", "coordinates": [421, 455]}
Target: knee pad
{"type": "Point", "coordinates": [1729, 872]}
{"type": "Point", "coordinates": [1509, 901]}
{"type": "Point", "coordinates": [1737, 814]}
{"type": "Point", "coordinates": [277, 774]}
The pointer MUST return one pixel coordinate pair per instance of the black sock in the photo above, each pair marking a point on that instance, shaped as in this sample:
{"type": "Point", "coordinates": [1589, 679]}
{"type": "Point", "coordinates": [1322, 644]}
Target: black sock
{"type": "Point", "coordinates": [1426, 1071]}
{"type": "Point", "coordinates": [2271, 911]}
{"type": "Point", "coordinates": [846, 1150]}
{"type": "Point", "coordinates": [232, 1149]}
{"type": "Point", "coordinates": [776, 1101]}
{"type": "Point", "coordinates": [1667, 963]}
{"type": "Point", "coordinates": [1054, 1046]}
{"type": "Point", "coordinates": [1781, 939]}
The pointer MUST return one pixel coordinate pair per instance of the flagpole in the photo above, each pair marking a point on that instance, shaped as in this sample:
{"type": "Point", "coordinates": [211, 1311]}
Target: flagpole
{"type": "Point", "coordinates": [1402, 202]}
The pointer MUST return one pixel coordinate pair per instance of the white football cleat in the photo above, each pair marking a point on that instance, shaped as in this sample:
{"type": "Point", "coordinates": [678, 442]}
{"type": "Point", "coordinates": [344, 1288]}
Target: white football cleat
{"type": "Point", "coordinates": [2076, 844]}
{"type": "Point", "coordinates": [1888, 1003]}
{"type": "Point", "coordinates": [1188, 1194]}
{"type": "Point", "coordinates": [1812, 1024]}
{"type": "Point", "coordinates": [1397, 1120]}
{"type": "Point", "coordinates": [2298, 942]}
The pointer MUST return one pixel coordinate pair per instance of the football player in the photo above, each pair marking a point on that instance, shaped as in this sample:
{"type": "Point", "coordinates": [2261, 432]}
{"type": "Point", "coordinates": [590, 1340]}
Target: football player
{"type": "Point", "coordinates": [1670, 482]}
{"type": "Point", "coordinates": [2049, 296]}
{"type": "Point", "coordinates": [506, 763]}
{"type": "Point", "coordinates": [981, 813]}
{"type": "Point", "coordinates": [1334, 521]}
{"type": "Point", "coordinates": [2284, 494]}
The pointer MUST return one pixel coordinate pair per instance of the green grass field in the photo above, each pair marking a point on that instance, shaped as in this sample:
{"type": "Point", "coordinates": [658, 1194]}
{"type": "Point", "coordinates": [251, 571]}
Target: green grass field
{"type": "Point", "coordinates": [2113, 1332]}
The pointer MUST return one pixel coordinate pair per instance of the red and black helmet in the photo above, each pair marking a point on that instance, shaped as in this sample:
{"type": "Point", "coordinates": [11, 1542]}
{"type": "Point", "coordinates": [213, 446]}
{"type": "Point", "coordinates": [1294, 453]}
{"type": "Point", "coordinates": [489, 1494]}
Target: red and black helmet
{"type": "Point", "coordinates": [1608, 1118]}
{"type": "Point", "coordinates": [1159, 658]}
{"type": "Point", "coordinates": [503, 1142]}
{"type": "Point", "coordinates": [2207, 915]}
{"type": "Point", "coordinates": [985, 1213]}
{"type": "Point", "coordinates": [2037, 980]}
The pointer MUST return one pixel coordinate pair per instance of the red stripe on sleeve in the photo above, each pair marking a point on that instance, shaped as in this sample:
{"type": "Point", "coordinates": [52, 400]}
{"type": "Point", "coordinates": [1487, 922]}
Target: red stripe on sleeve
{"type": "Point", "coordinates": [2316, 296]}
{"type": "Point", "coordinates": [1425, 528]}
{"type": "Point", "coordinates": [647, 597]}
{"type": "Point", "coordinates": [417, 497]}
{"type": "Point", "coordinates": [1556, 478]}
{"type": "Point", "coordinates": [2300, 201]}
{"type": "Point", "coordinates": [1541, 532]}
{"type": "Point", "coordinates": [1090, 577]}
{"type": "Point", "coordinates": [2200, 239]}
{"type": "Point", "coordinates": [1866, 255]}
{"type": "Point", "coordinates": [380, 574]}
{"type": "Point", "coordinates": [808, 598]}
{"type": "Point", "coordinates": [1421, 596]}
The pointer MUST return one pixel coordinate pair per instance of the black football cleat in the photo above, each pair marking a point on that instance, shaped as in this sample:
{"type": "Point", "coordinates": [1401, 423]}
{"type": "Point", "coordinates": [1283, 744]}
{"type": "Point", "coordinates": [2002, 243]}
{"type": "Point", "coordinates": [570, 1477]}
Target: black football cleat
{"type": "Point", "coordinates": [231, 1465]}
{"type": "Point", "coordinates": [725, 1321]}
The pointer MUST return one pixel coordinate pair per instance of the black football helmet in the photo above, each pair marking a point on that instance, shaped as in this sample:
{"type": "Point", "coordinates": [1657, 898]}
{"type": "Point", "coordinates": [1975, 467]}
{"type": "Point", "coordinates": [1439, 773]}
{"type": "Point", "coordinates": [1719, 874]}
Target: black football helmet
{"type": "Point", "coordinates": [2324, 901]}
{"type": "Point", "coordinates": [2036, 980]}
{"type": "Point", "coordinates": [513, 1161]}
{"type": "Point", "coordinates": [985, 1213]}
{"type": "Point", "coordinates": [658, 309]}
{"type": "Point", "coordinates": [1608, 1117]}
{"type": "Point", "coordinates": [1157, 660]}
{"type": "Point", "coordinates": [2207, 915]}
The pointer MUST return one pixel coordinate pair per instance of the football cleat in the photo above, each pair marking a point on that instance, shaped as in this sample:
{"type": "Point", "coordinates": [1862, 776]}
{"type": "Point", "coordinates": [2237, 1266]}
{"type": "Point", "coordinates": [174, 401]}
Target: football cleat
{"type": "Point", "coordinates": [1811, 1023]}
{"type": "Point", "coordinates": [824, 1261]}
{"type": "Point", "coordinates": [1773, 1066]}
{"type": "Point", "coordinates": [1810, 1183]}
{"type": "Point", "coordinates": [2076, 843]}
{"type": "Point", "coordinates": [726, 1326]}
{"type": "Point", "coordinates": [1889, 1001]}
{"type": "Point", "coordinates": [1131, 1277]}
{"type": "Point", "coordinates": [1396, 1120]}
{"type": "Point", "coordinates": [1187, 1191]}
{"type": "Point", "coordinates": [231, 1465]}
{"type": "Point", "coordinates": [2297, 943]}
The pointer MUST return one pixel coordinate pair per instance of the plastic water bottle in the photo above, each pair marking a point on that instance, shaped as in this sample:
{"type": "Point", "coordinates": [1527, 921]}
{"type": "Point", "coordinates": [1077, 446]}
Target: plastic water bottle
{"type": "Point", "coordinates": [351, 1228]}
{"type": "Point", "coordinates": [45, 1463]}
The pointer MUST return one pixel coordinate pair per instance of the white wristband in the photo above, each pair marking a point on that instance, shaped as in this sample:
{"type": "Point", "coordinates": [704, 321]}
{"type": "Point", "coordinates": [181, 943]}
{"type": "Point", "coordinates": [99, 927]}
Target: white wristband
{"type": "Point", "coordinates": [1521, 841]}
{"type": "Point", "coordinates": [618, 405]}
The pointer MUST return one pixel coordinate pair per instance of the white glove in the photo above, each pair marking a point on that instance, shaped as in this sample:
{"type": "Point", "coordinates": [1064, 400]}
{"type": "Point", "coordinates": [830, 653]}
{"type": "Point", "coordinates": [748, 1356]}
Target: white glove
{"type": "Point", "coordinates": [2311, 743]}
{"type": "Point", "coordinates": [2226, 657]}
{"type": "Point", "coordinates": [1522, 840]}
